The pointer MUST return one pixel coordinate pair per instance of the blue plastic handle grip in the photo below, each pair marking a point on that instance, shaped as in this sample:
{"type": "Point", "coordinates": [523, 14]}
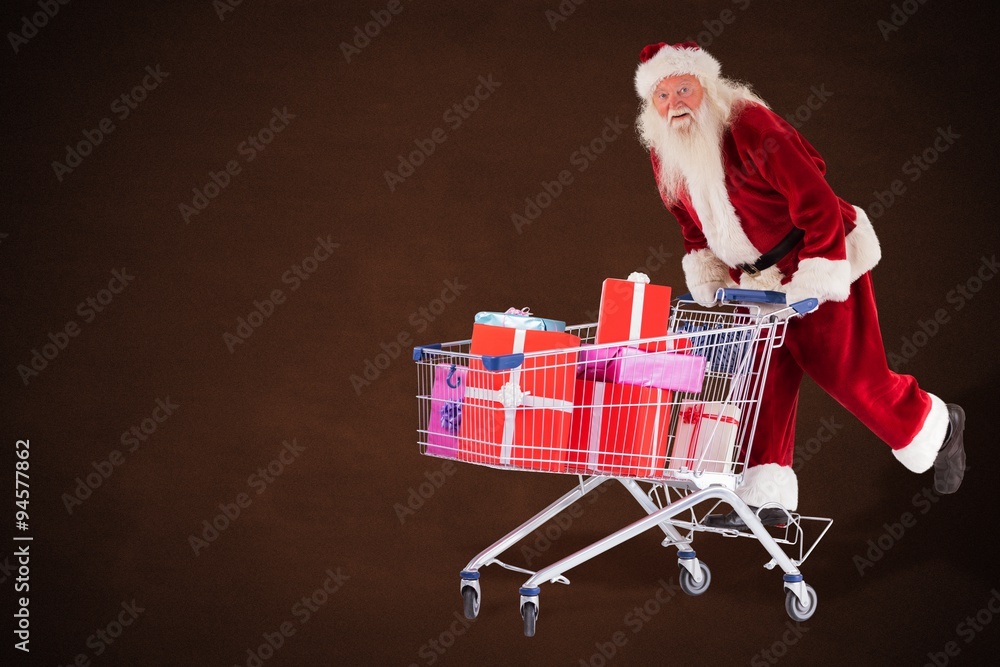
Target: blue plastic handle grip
{"type": "Point", "coordinates": [753, 296]}
{"type": "Point", "coordinates": [418, 351]}
{"type": "Point", "coordinates": [503, 362]}
{"type": "Point", "coordinates": [806, 306]}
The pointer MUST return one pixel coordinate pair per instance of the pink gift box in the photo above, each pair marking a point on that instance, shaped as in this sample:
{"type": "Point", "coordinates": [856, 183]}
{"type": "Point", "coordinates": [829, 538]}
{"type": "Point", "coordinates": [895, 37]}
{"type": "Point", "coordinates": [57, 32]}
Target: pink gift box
{"type": "Point", "coordinates": [446, 411]}
{"type": "Point", "coordinates": [628, 365]}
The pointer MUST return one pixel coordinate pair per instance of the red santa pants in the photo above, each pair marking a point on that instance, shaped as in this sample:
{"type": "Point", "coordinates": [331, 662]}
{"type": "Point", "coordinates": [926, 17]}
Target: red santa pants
{"type": "Point", "coordinates": [840, 347]}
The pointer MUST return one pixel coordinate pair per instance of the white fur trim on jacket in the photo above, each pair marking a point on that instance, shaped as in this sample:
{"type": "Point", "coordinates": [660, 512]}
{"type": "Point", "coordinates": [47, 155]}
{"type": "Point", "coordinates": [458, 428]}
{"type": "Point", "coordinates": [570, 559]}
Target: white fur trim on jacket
{"type": "Point", "coordinates": [669, 61]}
{"type": "Point", "coordinates": [704, 274]}
{"type": "Point", "coordinates": [770, 483]}
{"type": "Point", "coordinates": [863, 248]}
{"type": "Point", "coordinates": [919, 455]}
{"type": "Point", "coordinates": [830, 280]}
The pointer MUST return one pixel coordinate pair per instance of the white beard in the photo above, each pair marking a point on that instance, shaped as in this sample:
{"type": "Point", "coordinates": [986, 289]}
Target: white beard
{"type": "Point", "coordinates": [690, 151]}
{"type": "Point", "coordinates": [690, 154]}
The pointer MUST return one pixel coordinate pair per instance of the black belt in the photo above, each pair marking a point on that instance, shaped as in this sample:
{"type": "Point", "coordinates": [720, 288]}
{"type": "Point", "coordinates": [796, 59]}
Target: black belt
{"type": "Point", "coordinates": [774, 255]}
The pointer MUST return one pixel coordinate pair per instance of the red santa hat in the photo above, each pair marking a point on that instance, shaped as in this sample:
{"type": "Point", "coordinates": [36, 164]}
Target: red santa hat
{"type": "Point", "coordinates": [662, 60]}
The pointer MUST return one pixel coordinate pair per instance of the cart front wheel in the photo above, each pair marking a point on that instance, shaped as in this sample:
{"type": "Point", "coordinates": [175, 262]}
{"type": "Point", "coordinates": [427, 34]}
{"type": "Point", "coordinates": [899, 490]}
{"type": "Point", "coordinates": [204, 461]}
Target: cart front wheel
{"type": "Point", "coordinates": [797, 610]}
{"type": "Point", "coordinates": [529, 612]}
{"type": "Point", "coordinates": [470, 598]}
{"type": "Point", "coordinates": [688, 584]}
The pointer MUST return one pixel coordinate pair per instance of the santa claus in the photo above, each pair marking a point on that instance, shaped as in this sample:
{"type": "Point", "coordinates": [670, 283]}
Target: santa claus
{"type": "Point", "coordinates": [756, 212]}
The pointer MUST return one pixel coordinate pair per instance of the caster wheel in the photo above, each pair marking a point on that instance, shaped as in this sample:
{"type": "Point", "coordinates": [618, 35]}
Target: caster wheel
{"type": "Point", "coordinates": [470, 599]}
{"type": "Point", "coordinates": [796, 609]}
{"type": "Point", "coordinates": [688, 584]}
{"type": "Point", "coordinates": [529, 612]}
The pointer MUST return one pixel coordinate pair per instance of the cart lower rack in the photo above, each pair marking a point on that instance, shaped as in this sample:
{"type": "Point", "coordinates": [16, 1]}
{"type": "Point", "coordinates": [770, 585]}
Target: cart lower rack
{"type": "Point", "coordinates": [672, 419]}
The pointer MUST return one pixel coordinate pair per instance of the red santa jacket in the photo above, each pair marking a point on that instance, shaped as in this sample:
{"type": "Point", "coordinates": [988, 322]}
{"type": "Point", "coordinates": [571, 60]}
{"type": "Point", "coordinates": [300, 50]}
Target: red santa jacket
{"type": "Point", "coordinates": [771, 180]}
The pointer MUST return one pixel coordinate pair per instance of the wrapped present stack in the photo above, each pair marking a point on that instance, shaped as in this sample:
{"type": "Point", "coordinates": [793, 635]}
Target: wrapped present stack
{"type": "Point", "coordinates": [603, 408]}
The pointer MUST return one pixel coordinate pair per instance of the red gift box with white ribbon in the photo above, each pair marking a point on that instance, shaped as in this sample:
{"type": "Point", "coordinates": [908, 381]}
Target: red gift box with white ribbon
{"type": "Point", "coordinates": [633, 309]}
{"type": "Point", "coordinates": [519, 417]}
{"type": "Point", "coordinates": [619, 429]}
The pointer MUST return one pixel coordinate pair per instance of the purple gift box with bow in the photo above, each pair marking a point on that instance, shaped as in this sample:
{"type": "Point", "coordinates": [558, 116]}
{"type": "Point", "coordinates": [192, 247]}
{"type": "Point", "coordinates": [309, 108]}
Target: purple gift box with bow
{"type": "Point", "coordinates": [446, 410]}
{"type": "Point", "coordinates": [629, 365]}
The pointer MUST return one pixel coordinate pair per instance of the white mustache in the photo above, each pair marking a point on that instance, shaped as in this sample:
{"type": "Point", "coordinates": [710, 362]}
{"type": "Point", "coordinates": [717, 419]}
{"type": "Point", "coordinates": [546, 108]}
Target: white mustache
{"type": "Point", "coordinates": [680, 112]}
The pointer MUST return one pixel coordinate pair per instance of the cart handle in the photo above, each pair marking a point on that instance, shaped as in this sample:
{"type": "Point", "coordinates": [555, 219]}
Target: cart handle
{"type": "Point", "coordinates": [729, 295]}
{"type": "Point", "coordinates": [503, 362]}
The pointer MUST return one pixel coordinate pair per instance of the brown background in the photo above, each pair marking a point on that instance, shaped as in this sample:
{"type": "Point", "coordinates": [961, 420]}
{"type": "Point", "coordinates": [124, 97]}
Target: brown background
{"type": "Point", "coordinates": [324, 175]}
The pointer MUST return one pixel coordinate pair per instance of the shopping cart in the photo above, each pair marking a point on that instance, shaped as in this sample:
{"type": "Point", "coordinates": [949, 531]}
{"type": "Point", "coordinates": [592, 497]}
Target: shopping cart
{"type": "Point", "coordinates": [690, 444]}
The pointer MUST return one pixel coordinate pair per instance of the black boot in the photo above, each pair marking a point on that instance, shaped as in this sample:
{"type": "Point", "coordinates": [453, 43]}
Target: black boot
{"type": "Point", "coordinates": [949, 466]}
{"type": "Point", "coordinates": [770, 516]}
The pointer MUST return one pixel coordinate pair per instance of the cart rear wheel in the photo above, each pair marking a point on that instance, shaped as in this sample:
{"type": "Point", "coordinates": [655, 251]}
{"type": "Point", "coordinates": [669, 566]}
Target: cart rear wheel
{"type": "Point", "coordinates": [687, 581]}
{"type": "Point", "coordinates": [797, 610]}
{"type": "Point", "coordinates": [470, 599]}
{"type": "Point", "coordinates": [529, 612]}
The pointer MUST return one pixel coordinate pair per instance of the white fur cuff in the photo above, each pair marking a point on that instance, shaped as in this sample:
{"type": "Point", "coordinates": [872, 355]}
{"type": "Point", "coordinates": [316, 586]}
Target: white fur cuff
{"type": "Point", "coordinates": [770, 483]}
{"type": "Point", "coordinates": [919, 455]}
{"type": "Point", "coordinates": [704, 274]}
{"type": "Point", "coordinates": [820, 278]}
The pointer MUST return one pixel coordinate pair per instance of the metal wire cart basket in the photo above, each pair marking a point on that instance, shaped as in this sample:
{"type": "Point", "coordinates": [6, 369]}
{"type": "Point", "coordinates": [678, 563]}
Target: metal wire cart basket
{"type": "Point", "coordinates": [680, 452]}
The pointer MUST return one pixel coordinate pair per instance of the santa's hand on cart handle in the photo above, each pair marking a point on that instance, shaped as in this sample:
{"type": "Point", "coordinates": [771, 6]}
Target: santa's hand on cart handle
{"type": "Point", "coordinates": [728, 295]}
{"type": "Point", "coordinates": [731, 295]}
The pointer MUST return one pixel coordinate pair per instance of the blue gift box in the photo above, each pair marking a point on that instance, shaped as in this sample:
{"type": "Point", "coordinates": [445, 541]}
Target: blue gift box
{"type": "Point", "coordinates": [519, 319]}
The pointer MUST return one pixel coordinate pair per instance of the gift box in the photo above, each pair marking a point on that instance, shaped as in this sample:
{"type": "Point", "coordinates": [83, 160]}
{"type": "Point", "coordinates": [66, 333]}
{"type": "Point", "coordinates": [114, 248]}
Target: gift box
{"type": "Point", "coordinates": [519, 318]}
{"type": "Point", "coordinates": [519, 417]}
{"type": "Point", "coordinates": [445, 419]}
{"type": "Point", "coordinates": [632, 366]}
{"type": "Point", "coordinates": [633, 309]}
{"type": "Point", "coordinates": [709, 430]}
{"type": "Point", "coordinates": [619, 430]}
